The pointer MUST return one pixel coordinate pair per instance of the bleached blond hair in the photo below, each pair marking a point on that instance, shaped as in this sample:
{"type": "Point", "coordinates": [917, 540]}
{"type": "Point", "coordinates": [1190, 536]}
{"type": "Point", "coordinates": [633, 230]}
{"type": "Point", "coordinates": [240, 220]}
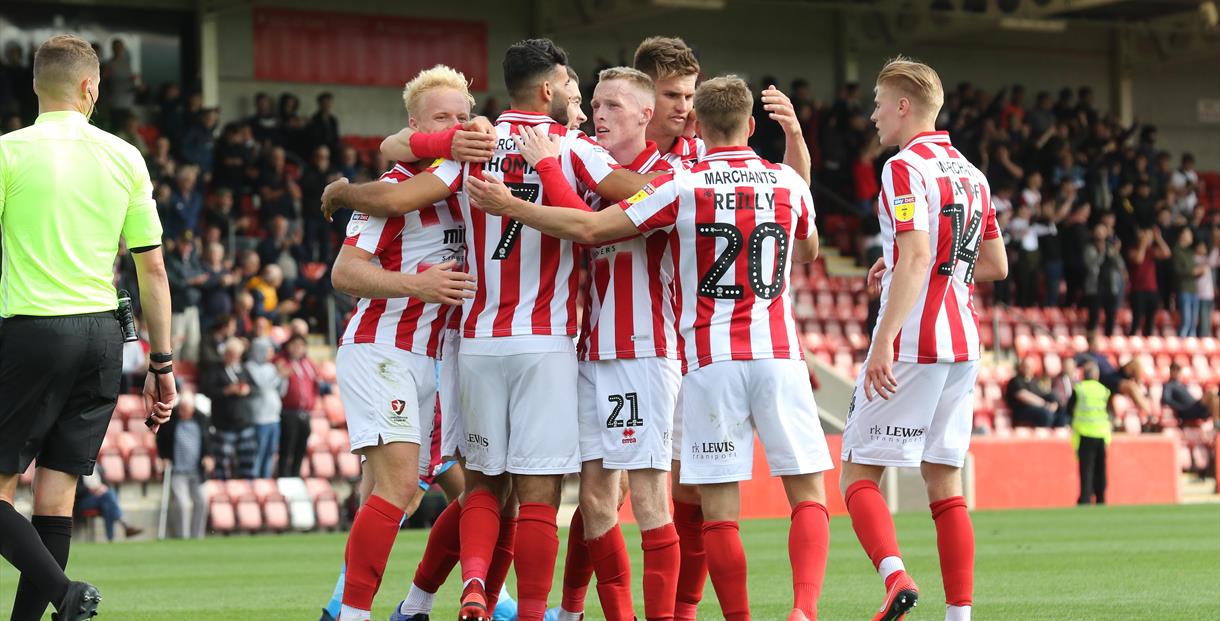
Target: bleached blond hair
{"type": "Point", "coordinates": [919, 82]}
{"type": "Point", "coordinates": [428, 79]}
{"type": "Point", "coordinates": [636, 78]}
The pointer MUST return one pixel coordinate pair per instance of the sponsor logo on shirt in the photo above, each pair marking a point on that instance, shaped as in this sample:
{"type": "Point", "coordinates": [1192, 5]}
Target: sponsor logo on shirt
{"type": "Point", "coordinates": [357, 223]}
{"type": "Point", "coordinates": [904, 207]}
{"type": "Point", "coordinates": [641, 195]}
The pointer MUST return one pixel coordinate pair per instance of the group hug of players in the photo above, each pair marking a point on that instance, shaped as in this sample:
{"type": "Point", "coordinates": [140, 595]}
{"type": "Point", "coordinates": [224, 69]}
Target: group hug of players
{"type": "Point", "coordinates": [466, 257]}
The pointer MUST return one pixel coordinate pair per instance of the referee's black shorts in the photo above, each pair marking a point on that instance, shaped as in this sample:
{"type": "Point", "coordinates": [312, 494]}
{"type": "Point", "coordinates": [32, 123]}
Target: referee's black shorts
{"type": "Point", "coordinates": [59, 380]}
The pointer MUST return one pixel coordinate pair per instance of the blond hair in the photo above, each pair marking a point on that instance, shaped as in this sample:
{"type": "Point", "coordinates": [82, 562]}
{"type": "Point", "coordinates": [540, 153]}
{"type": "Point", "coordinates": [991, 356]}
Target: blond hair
{"type": "Point", "coordinates": [60, 63]}
{"type": "Point", "coordinates": [723, 106]}
{"type": "Point", "coordinates": [919, 82]}
{"type": "Point", "coordinates": [662, 58]}
{"type": "Point", "coordinates": [428, 79]}
{"type": "Point", "coordinates": [634, 77]}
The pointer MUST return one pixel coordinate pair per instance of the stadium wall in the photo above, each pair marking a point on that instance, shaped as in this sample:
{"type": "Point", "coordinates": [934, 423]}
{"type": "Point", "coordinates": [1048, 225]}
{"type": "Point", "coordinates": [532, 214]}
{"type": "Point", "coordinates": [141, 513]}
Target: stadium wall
{"type": "Point", "coordinates": [781, 40]}
{"type": "Point", "coordinates": [1009, 473]}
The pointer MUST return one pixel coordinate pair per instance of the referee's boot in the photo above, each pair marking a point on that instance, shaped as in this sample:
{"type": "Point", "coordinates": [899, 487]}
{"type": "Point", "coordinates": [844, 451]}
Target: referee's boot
{"type": "Point", "coordinates": [901, 595]}
{"type": "Point", "coordinates": [80, 603]}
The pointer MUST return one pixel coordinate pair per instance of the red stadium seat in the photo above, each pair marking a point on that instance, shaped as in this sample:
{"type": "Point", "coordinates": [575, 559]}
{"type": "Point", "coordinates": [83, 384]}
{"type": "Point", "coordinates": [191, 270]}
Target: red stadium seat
{"type": "Point", "coordinates": [327, 509]}
{"type": "Point", "coordinates": [111, 461]}
{"type": "Point", "coordinates": [220, 514]}
{"type": "Point", "coordinates": [318, 487]}
{"type": "Point", "coordinates": [348, 465]}
{"type": "Point", "coordinates": [130, 406]}
{"type": "Point", "coordinates": [264, 488]}
{"type": "Point", "coordinates": [326, 371]}
{"type": "Point", "coordinates": [337, 441]}
{"type": "Point", "coordinates": [140, 465]}
{"type": "Point", "coordinates": [322, 464]}
{"type": "Point", "coordinates": [275, 513]}
{"type": "Point", "coordinates": [236, 488]}
{"type": "Point", "coordinates": [249, 516]}
{"type": "Point", "coordinates": [126, 442]}
{"type": "Point", "coordinates": [334, 410]}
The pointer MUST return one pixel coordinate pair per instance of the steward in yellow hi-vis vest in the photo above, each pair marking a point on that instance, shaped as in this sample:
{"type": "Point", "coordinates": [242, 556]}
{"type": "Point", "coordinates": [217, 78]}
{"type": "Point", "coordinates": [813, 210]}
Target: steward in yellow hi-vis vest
{"type": "Point", "coordinates": [1091, 434]}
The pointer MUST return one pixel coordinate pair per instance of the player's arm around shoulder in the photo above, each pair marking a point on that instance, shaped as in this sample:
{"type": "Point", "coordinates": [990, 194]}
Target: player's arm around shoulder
{"type": "Point", "coordinates": [472, 141]}
{"type": "Point", "coordinates": [355, 274]}
{"type": "Point", "coordinates": [388, 200]}
{"type": "Point", "coordinates": [577, 225]}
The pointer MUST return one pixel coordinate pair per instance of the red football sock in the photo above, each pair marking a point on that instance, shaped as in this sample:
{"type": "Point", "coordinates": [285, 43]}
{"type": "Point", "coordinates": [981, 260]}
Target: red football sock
{"type": "Point", "coordinates": [955, 543]}
{"type": "Point", "coordinates": [808, 544]}
{"type": "Point", "coordinates": [443, 549]}
{"type": "Point", "coordinates": [368, 548]}
{"type": "Point", "coordinates": [726, 563]}
{"type": "Point", "coordinates": [870, 518]}
{"type": "Point", "coordinates": [613, 567]}
{"type": "Point", "coordinates": [692, 573]}
{"type": "Point", "coordinates": [479, 528]}
{"type": "Point", "coordinates": [661, 561]}
{"type": "Point", "coordinates": [501, 560]}
{"type": "Point", "coordinates": [577, 568]}
{"type": "Point", "coordinates": [539, 538]}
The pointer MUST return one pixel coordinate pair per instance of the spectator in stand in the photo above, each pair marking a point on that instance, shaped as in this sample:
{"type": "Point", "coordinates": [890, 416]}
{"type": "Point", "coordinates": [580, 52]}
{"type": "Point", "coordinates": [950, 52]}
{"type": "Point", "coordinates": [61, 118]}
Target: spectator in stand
{"type": "Point", "coordinates": [185, 204]}
{"type": "Point", "coordinates": [211, 348]}
{"type": "Point", "coordinates": [172, 114]}
{"type": "Point", "coordinates": [1145, 301]}
{"type": "Point", "coordinates": [1091, 428]}
{"type": "Point", "coordinates": [1128, 380]}
{"type": "Point", "coordinates": [865, 178]}
{"type": "Point", "coordinates": [1041, 117]}
{"type": "Point", "coordinates": [233, 156]}
{"type": "Point", "coordinates": [218, 213]}
{"type": "Point", "coordinates": [1209, 261]}
{"type": "Point", "coordinates": [267, 290]}
{"type": "Point", "coordinates": [248, 266]}
{"type": "Point", "coordinates": [1031, 194]}
{"type": "Point", "coordinates": [317, 175]}
{"type": "Point", "coordinates": [232, 414]}
{"type": "Point", "coordinates": [1073, 241]}
{"type": "Point", "coordinates": [1185, 184]}
{"type": "Point", "coordinates": [299, 401]}
{"type": "Point", "coordinates": [323, 128]}
{"type": "Point", "coordinates": [199, 143]}
{"type": "Point", "coordinates": [292, 127]}
{"type": "Point", "coordinates": [185, 443]}
{"type": "Point", "coordinates": [1031, 403]}
{"type": "Point", "coordinates": [265, 403]}
{"type": "Point", "coordinates": [1063, 384]}
{"type": "Point", "coordinates": [129, 130]}
{"type": "Point", "coordinates": [1186, 273]}
{"type": "Point", "coordinates": [186, 276]}
{"type": "Point", "coordinates": [1103, 278]}
{"type": "Point", "coordinates": [265, 122]}
{"type": "Point", "coordinates": [1050, 249]}
{"type": "Point", "coordinates": [243, 314]}
{"type": "Point", "coordinates": [216, 292]}
{"type": "Point", "coordinates": [92, 494]}
{"type": "Point", "coordinates": [283, 248]}
{"type": "Point", "coordinates": [1015, 108]}
{"type": "Point", "coordinates": [161, 165]}
{"type": "Point", "coordinates": [279, 192]}
{"type": "Point", "coordinates": [120, 81]}
{"type": "Point", "coordinates": [1186, 408]}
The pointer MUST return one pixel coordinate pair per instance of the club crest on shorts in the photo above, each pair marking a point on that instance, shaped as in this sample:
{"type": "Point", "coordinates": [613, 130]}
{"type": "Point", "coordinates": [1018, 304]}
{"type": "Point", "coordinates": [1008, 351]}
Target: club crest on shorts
{"type": "Point", "coordinates": [397, 406]}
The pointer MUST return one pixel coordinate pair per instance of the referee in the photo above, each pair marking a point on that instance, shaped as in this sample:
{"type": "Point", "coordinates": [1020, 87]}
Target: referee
{"type": "Point", "coordinates": [68, 192]}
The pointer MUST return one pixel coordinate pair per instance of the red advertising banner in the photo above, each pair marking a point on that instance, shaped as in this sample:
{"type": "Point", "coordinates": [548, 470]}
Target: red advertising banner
{"type": "Point", "coordinates": [364, 50]}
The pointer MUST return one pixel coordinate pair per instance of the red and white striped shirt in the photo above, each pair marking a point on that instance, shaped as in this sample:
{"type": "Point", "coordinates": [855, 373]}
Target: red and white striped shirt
{"type": "Point", "coordinates": [929, 186]}
{"type": "Point", "coordinates": [685, 151]}
{"type": "Point", "coordinates": [527, 281]}
{"type": "Point", "coordinates": [733, 219]}
{"type": "Point", "coordinates": [629, 306]}
{"type": "Point", "coordinates": [410, 244]}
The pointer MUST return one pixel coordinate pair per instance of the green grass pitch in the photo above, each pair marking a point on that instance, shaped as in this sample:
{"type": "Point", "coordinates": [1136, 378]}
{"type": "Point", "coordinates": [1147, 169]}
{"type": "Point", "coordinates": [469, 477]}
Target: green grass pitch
{"type": "Point", "coordinates": [1160, 562]}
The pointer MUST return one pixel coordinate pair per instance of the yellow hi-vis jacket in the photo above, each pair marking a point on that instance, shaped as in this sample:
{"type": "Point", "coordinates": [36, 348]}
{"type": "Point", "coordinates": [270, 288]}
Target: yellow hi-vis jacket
{"type": "Point", "coordinates": [1090, 417]}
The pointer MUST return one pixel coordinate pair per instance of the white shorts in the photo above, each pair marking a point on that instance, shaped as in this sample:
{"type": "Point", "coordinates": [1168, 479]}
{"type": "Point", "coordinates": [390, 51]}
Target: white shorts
{"type": "Point", "coordinates": [725, 402]}
{"type": "Point", "coordinates": [626, 412]}
{"type": "Point", "coordinates": [447, 388]}
{"type": "Point", "coordinates": [386, 392]}
{"type": "Point", "coordinates": [928, 419]}
{"type": "Point", "coordinates": [519, 411]}
{"type": "Point", "coordinates": [677, 434]}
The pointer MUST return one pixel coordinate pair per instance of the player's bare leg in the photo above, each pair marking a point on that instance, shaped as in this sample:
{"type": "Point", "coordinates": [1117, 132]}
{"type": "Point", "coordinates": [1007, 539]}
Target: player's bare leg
{"type": "Point", "coordinates": [659, 539]}
{"type": "Point", "coordinates": [726, 559]}
{"type": "Point", "coordinates": [393, 468]}
{"type": "Point", "coordinates": [874, 526]}
{"type": "Point", "coordinates": [688, 521]}
{"type": "Point", "coordinates": [599, 503]}
{"type": "Point", "coordinates": [539, 537]}
{"type": "Point", "coordinates": [808, 542]}
{"type": "Point", "coordinates": [480, 526]}
{"type": "Point", "coordinates": [954, 537]}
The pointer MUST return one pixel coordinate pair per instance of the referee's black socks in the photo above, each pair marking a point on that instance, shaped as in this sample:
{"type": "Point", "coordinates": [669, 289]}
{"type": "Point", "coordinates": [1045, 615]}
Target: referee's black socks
{"type": "Point", "coordinates": [29, 549]}
{"type": "Point", "coordinates": [56, 534]}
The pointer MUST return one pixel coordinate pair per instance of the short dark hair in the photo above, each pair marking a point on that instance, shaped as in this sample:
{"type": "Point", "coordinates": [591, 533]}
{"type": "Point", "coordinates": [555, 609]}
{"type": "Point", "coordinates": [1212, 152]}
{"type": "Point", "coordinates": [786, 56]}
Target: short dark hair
{"type": "Point", "coordinates": [528, 60]}
{"type": "Point", "coordinates": [324, 96]}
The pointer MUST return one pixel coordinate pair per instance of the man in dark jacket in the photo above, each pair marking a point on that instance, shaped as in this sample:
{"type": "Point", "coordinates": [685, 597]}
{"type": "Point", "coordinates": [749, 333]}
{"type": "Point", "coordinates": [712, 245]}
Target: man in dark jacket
{"type": "Point", "coordinates": [184, 443]}
{"type": "Point", "coordinates": [185, 274]}
{"type": "Point", "coordinates": [229, 389]}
